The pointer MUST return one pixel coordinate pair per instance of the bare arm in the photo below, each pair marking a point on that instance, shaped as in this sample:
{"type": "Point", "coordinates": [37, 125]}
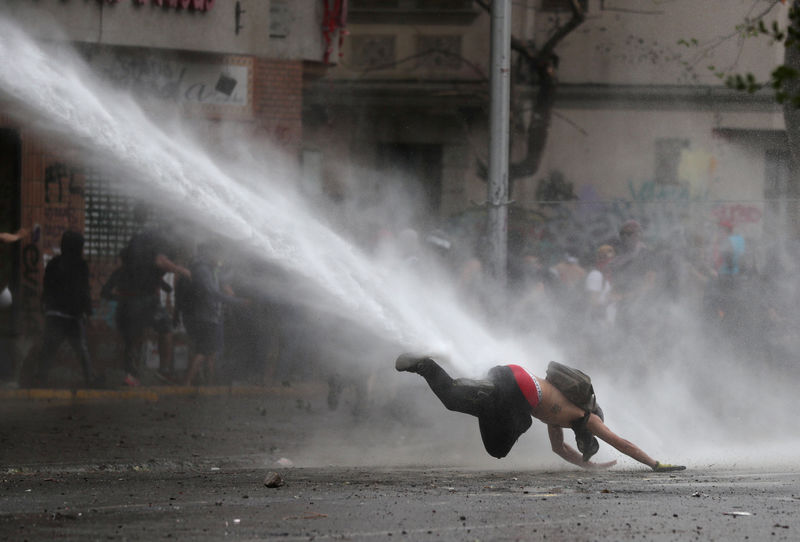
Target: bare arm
{"type": "Point", "coordinates": [13, 237]}
{"type": "Point", "coordinates": [165, 264]}
{"type": "Point", "coordinates": [601, 431]}
{"type": "Point", "coordinates": [570, 454]}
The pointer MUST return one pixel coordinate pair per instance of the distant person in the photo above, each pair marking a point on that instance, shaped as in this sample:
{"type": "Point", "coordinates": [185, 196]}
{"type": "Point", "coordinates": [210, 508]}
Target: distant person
{"type": "Point", "coordinates": [199, 301]}
{"type": "Point", "coordinates": [601, 312]}
{"type": "Point", "coordinates": [729, 249]}
{"type": "Point", "coordinates": [568, 272]}
{"type": "Point", "coordinates": [67, 305]}
{"type": "Point", "coordinates": [726, 295]}
{"type": "Point", "coordinates": [8, 238]}
{"type": "Point", "coordinates": [632, 276]}
{"type": "Point", "coordinates": [505, 402]}
{"type": "Point", "coordinates": [532, 305]}
{"type": "Point", "coordinates": [138, 285]}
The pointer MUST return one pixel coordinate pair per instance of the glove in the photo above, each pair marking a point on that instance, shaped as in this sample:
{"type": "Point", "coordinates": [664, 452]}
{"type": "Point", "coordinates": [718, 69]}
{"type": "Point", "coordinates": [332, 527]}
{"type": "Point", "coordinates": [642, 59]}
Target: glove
{"type": "Point", "coordinates": [666, 467]}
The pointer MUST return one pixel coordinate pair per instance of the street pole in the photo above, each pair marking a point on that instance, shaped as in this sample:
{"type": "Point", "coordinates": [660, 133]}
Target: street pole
{"type": "Point", "coordinates": [497, 226]}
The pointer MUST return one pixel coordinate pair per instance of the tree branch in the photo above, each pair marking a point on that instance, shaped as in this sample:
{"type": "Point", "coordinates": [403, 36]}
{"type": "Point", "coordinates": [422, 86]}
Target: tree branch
{"type": "Point", "coordinates": [578, 16]}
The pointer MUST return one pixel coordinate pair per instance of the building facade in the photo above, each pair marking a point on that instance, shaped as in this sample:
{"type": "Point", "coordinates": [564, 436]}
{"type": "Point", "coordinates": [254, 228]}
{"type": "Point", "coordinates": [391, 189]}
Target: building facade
{"type": "Point", "coordinates": [642, 124]}
{"type": "Point", "coordinates": [224, 66]}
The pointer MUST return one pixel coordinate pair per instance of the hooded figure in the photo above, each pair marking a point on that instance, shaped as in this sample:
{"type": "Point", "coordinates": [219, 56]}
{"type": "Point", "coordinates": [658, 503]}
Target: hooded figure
{"type": "Point", "coordinates": [67, 303]}
{"type": "Point", "coordinates": [66, 279]}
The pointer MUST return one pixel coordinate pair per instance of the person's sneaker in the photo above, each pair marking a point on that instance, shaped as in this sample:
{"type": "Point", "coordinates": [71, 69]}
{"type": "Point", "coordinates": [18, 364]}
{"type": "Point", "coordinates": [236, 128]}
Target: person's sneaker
{"type": "Point", "coordinates": [409, 362]}
{"type": "Point", "coordinates": [131, 381]}
{"type": "Point", "coordinates": [666, 467]}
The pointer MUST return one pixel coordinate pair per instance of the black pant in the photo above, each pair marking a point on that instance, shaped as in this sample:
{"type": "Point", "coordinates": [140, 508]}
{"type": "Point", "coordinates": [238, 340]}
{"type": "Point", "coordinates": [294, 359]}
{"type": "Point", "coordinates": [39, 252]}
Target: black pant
{"type": "Point", "coordinates": [135, 314]}
{"type": "Point", "coordinates": [56, 329]}
{"type": "Point", "coordinates": [503, 412]}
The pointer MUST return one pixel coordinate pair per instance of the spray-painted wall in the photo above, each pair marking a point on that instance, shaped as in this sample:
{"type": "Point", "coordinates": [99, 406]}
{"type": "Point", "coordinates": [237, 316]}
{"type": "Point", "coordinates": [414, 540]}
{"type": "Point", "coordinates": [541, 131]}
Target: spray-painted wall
{"type": "Point", "coordinates": [635, 91]}
{"type": "Point", "coordinates": [53, 176]}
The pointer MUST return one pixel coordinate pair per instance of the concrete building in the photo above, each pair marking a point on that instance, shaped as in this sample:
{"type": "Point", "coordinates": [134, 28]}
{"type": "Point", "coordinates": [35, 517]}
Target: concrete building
{"type": "Point", "coordinates": [642, 125]}
{"type": "Point", "coordinates": [226, 66]}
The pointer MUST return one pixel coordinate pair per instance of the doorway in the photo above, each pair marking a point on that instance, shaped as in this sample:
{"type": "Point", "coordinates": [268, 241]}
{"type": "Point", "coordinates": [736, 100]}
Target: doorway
{"type": "Point", "coordinates": [10, 167]}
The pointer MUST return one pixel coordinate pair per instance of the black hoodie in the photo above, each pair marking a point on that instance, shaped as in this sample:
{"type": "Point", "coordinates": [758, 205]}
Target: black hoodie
{"type": "Point", "coordinates": [66, 279]}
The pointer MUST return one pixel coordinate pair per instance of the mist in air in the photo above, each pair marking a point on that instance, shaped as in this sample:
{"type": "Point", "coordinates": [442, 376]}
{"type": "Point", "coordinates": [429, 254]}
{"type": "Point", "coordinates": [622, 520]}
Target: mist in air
{"type": "Point", "coordinates": [677, 384]}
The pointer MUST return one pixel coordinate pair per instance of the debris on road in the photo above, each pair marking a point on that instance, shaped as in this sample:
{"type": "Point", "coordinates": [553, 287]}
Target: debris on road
{"type": "Point", "coordinates": [273, 479]}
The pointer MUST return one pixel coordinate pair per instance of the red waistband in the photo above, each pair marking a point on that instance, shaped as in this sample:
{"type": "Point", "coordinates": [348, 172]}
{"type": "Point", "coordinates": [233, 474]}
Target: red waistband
{"type": "Point", "coordinates": [526, 384]}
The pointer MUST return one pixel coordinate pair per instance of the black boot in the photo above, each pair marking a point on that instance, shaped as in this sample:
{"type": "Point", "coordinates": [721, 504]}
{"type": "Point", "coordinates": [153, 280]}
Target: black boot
{"type": "Point", "coordinates": [461, 395]}
{"type": "Point", "coordinates": [411, 363]}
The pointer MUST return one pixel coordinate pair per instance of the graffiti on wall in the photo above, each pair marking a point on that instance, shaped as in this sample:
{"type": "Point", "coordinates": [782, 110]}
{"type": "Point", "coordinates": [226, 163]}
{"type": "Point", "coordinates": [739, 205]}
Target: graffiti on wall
{"type": "Point", "coordinates": [672, 216]}
{"type": "Point", "coordinates": [62, 176]}
{"type": "Point", "coordinates": [31, 319]}
{"type": "Point", "coordinates": [223, 86]}
{"type": "Point", "coordinates": [62, 209]}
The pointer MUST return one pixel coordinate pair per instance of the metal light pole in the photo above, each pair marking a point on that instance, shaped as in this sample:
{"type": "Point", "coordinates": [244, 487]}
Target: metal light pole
{"type": "Point", "coordinates": [497, 227]}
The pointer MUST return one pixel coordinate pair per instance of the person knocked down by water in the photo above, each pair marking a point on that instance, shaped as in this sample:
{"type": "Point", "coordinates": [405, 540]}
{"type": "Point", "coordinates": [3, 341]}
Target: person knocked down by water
{"type": "Point", "coordinates": [505, 401]}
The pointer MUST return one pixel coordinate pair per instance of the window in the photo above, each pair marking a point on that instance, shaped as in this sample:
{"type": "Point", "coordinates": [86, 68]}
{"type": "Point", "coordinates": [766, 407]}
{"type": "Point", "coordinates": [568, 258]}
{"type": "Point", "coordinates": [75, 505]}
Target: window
{"type": "Point", "coordinates": [108, 222]}
{"type": "Point", "coordinates": [668, 159]}
{"type": "Point", "coordinates": [417, 164]}
{"type": "Point", "coordinates": [279, 19]}
{"type": "Point", "coordinates": [373, 51]}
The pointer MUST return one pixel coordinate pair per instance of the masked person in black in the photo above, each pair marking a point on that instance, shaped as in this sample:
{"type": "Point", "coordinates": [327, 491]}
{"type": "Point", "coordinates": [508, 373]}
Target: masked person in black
{"type": "Point", "coordinates": [67, 305]}
{"type": "Point", "coordinates": [137, 286]}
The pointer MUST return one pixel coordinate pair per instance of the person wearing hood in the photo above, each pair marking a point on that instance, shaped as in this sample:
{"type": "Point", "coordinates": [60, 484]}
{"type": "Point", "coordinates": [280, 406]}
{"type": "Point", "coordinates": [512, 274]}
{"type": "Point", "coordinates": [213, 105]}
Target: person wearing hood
{"type": "Point", "coordinates": [67, 304]}
{"type": "Point", "coordinates": [200, 302]}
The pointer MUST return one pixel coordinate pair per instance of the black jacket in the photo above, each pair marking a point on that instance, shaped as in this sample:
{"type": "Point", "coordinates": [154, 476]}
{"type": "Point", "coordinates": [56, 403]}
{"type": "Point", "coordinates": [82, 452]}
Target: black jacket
{"type": "Point", "coordinates": [66, 286]}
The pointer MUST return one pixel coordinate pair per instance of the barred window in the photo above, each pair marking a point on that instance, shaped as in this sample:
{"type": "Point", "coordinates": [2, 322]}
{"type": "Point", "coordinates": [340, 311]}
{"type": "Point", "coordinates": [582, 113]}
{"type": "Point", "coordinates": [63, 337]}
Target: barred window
{"type": "Point", "coordinates": [109, 222]}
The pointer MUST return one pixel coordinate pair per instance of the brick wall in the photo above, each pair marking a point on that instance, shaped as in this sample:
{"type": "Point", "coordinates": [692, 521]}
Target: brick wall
{"type": "Point", "coordinates": [52, 196]}
{"type": "Point", "coordinates": [278, 101]}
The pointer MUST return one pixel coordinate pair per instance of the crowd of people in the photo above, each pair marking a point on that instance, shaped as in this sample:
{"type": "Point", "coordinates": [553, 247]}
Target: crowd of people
{"type": "Point", "coordinates": [629, 295]}
{"type": "Point", "coordinates": [625, 291]}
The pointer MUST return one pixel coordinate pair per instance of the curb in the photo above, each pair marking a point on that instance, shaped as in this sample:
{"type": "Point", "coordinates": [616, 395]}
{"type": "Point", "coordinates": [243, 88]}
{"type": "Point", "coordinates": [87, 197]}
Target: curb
{"type": "Point", "coordinates": [154, 393]}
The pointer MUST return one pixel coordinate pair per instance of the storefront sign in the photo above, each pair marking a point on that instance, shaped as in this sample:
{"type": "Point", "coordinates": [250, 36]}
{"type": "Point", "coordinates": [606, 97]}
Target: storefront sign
{"type": "Point", "coordinates": [199, 5]}
{"type": "Point", "coordinates": [220, 86]}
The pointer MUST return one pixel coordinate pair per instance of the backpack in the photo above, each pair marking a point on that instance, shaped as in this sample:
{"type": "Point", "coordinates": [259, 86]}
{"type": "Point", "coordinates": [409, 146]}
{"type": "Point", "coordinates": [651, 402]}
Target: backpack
{"type": "Point", "coordinates": [577, 388]}
{"type": "Point", "coordinates": [574, 384]}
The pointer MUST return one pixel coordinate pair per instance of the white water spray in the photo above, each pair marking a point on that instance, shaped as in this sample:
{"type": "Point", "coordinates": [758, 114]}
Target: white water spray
{"type": "Point", "coordinates": [248, 201]}
{"type": "Point", "coordinates": [57, 92]}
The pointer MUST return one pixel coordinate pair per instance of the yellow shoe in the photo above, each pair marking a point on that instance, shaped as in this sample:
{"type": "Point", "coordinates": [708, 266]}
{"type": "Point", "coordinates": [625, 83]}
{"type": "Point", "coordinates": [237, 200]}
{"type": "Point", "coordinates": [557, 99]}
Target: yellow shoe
{"type": "Point", "coordinates": [666, 467]}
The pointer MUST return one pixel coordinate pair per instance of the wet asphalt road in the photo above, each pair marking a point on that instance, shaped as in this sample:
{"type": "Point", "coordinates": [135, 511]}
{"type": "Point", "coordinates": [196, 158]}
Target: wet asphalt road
{"type": "Point", "coordinates": [193, 468]}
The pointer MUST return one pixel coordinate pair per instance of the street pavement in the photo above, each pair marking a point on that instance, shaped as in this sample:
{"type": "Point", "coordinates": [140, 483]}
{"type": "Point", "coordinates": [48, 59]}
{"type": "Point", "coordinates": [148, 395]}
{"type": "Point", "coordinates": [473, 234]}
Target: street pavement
{"type": "Point", "coordinates": [191, 464]}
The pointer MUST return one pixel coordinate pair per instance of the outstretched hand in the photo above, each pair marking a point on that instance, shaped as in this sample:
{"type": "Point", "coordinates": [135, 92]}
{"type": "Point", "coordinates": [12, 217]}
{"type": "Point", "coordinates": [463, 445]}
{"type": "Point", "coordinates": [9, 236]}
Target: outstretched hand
{"type": "Point", "coordinates": [599, 466]}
